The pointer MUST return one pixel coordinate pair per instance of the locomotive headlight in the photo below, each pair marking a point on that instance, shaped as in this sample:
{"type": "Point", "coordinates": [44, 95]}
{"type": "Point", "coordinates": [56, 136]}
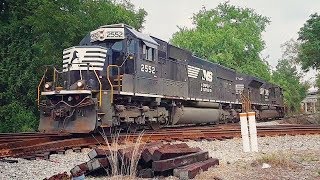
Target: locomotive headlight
{"type": "Point", "coordinates": [80, 84]}
{"type": "Point", "coordinates": [47, 86]}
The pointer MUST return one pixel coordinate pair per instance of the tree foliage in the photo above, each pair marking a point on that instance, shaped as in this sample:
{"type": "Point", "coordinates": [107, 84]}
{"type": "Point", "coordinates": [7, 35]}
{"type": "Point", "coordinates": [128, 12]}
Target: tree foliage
{"type": "Point", "coordinates": [309, 35]}
{"type": "Point", "coordinates": [287, 76]}
{"type": "Point", "coordinates": [228, 35]}
{"type": "Point", "coordinates": [290, 51]}
{"type": "Point", "coordinates": [33, 33]}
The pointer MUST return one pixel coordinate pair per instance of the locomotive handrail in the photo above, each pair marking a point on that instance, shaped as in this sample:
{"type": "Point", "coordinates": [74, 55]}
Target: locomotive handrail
{"type": "Point", "coordinates": [54, 81]}
{"type": "Point", "coordinates": [125, 60]}
{"type": "Point", "coordinates": [56, 72]}
{"type": "Point", "coordinates": [100, 87]}
{"type": "Point", "coordinates": [55, 76]}
{"type": "Point", "coordinates": [109, 80]}
{"type": "Point", "coordinates": [100, 84]}
{"type": "Point", "coordinates": [44, 75]}
{"type": "Point", "coordinates": [118, 76]}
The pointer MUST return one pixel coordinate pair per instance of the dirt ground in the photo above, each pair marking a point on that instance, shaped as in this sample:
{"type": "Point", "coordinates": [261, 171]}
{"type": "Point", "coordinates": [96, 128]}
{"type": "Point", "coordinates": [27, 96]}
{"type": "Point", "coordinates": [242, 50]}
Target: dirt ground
{"type": "Point", "coordinates": [288, 165]}
{"type": "Point", "coordinates": [302, 119]}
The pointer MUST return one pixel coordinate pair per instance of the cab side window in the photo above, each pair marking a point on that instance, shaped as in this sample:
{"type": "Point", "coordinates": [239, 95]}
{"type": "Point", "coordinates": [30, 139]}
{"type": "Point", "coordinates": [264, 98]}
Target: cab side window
{"type": "Point", "coordinates": [148, 52]}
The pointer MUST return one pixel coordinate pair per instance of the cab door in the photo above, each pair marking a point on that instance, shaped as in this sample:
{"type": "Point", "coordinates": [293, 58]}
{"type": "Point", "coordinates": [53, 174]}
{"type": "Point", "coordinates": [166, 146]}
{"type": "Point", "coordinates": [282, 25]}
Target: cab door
{"type": "Point", "coordinates": [147, 72]}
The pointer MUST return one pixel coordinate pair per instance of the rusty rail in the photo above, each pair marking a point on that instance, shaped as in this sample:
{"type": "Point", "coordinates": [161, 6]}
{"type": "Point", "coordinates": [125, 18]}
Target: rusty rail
{"type": "Point", "coordinates": [46, 144]}
{"type": "Point", "coordinates": [54, 142]}
{"type": "Point", "coordinates": [221, 132]}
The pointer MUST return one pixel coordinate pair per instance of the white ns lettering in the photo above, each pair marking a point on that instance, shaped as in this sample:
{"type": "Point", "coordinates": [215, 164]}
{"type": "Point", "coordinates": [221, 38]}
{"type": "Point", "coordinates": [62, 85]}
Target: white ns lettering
{"type": "Point", "coordinates": [207, 75]}
{"type": "Point", "coordinates": [148, 69]}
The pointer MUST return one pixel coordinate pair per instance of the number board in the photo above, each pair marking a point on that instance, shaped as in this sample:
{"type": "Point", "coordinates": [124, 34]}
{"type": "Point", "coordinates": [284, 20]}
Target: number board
{"type": "Point", "coordinates": [102, 34]}
{"type": "Point", "coordinates": [148, 69]}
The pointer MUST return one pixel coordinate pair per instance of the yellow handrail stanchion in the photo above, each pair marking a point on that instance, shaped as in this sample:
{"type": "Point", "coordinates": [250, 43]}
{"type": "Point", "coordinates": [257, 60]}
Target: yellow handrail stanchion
{"type": "Point", "coordinates": [109, 80]}
{"type": "Point", "coordinates": [44, 75]}
{"type": "Point", "coordinates": [100, 87]}
{"type": "Point", "coordinates": [54, 76]}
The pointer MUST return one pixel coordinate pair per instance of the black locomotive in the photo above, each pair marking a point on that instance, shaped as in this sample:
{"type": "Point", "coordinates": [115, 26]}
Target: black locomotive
{"type": "Point", "coordinates": [118, 76]}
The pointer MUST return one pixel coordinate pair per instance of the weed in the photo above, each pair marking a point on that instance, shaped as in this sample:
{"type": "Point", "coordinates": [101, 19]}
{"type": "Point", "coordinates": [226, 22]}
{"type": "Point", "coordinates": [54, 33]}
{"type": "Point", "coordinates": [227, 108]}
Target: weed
{"type": "Point", "coordinates": [276, 159]}
{"type": "Point", "coordinates": [122, 167]}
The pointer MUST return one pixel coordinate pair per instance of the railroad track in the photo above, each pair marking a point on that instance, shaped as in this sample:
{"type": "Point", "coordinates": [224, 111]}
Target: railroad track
{"type": "Point", "coordinates": [28, 145]}
{"type": "Point", "coordinates": [15, 137]}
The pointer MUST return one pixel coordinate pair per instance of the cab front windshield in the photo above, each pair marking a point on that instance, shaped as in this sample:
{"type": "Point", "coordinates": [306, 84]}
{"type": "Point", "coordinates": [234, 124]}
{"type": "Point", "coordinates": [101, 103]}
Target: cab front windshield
{"type": "Point", "coordinates": [115, 45]}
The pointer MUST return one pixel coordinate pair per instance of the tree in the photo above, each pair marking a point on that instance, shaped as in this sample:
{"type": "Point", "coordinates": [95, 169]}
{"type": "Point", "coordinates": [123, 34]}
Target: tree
{"type": "Point", "coordinates": [290, 51]}
{"type": "Point", "coordinates": [309, 35]}
{"type": "Point", "coordinates": [287, 77]}
{"type": "Point", "coordinates": [228, 35]}
{"type": "Point", "coordinates": [34, 33]}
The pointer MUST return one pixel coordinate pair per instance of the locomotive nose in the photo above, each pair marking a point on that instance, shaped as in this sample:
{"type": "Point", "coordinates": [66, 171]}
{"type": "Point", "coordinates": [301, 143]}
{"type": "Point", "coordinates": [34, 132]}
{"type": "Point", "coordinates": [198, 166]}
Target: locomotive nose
{"type": "Point", "coordinates": [59, 114]}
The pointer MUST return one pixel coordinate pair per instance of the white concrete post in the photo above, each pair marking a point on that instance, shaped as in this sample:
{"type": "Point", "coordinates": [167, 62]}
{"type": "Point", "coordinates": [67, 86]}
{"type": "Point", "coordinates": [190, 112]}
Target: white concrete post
{"type": "Point", "coordinates": [253, 131]}
{"type": "Point", "coordinates": [244, 132]}
{"type": "Point", "coordinates": [305, 107]}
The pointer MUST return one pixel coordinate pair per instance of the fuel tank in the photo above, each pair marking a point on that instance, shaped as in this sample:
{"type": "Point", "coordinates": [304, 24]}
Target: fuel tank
{"type": "Point", "coordinates": [205, 105]}
{"type": "Point", "coordinates": [192, 115]}
{"type": "Point", "coordinates": [268, 114]}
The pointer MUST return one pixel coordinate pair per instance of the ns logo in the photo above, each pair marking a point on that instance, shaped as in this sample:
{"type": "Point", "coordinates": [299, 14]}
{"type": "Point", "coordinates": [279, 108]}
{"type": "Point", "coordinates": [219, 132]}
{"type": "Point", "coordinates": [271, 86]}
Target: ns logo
{"type": "Point", "coordinates": [193, 72]}
{"type": "Point", "coordinates": [207, 75]}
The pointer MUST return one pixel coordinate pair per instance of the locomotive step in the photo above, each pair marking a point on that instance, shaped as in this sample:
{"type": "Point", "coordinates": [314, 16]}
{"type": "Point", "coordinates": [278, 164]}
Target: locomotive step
{"type": "Point", "coordinates": [116, 82]}
{"type": "Point", "coordinates": [118, 79]}
{"type": "Point", "coordinates": [101, 113]}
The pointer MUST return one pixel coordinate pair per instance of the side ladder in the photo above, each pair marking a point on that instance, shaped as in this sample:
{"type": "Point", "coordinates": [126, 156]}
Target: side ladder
{"type": "Point", "coordinates": [114, 82]}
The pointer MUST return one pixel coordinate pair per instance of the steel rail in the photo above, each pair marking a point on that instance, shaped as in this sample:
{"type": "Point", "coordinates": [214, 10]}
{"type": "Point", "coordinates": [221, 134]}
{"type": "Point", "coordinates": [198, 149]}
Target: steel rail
{"type": "Point", "coordinates": [48, 144]}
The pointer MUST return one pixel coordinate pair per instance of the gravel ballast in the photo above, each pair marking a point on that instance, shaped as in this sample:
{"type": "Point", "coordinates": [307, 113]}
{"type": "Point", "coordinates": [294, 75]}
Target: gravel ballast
{"type": "Point", "coordinates": [290, 157]}
{"type": "Point", "coordinates": [301, 155]}
{"type": "Point", "coordinates": [40, 169]}
{"type": "Point", "coordinates": [230, 150]}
